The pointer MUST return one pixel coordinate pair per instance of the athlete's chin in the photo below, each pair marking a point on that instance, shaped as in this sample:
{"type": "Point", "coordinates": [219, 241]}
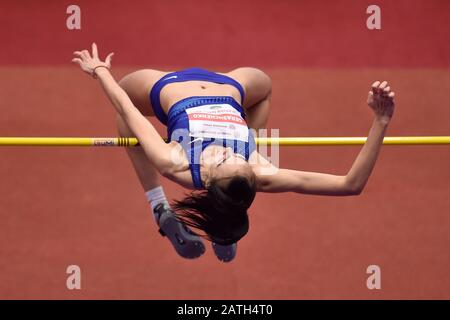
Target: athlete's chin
{"type": "Point", "coordinates": [239, 168]}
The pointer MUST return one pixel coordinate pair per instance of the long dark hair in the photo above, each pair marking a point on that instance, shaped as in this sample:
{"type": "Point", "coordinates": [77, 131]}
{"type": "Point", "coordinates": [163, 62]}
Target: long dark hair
{"type": "Point", "coordinates": [220, 210]}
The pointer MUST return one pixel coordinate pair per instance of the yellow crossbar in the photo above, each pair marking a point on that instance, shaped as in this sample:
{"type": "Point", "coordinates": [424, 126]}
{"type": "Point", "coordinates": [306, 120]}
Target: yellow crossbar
{"type": "Point", "coordinates": [282, 141]}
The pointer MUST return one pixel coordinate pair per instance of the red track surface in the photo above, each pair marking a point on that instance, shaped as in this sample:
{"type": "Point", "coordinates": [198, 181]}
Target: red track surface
{"type": "Point", "coordinates": [84, 206]}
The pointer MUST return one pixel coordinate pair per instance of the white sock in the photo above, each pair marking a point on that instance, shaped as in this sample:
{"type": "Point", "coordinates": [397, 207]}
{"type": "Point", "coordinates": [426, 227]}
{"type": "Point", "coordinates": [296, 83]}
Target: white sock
{"type": "Point", "coordinates": [155, 196]}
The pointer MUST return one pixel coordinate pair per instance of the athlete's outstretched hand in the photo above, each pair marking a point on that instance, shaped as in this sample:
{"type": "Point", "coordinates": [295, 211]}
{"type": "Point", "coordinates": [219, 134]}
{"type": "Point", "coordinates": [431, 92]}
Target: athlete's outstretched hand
{"type": "Point", "coordinates": [381, 100]}
{"type": "Point", "coordinates": [89, 63]}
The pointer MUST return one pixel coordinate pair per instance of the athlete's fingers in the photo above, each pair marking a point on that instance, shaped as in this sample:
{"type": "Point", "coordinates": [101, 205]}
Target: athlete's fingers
{"type": "Point", "coordinates": [85, 54]}
{"type": "Point", "coordinates": [109, 58]}
{"type": "Point", "coordinates": [375, 86]}
{"type": "Point", "coordinates": [78, 54]}
{"type": "Point", "coordinates": [76, 60]}
{"type": "Point", "coordinates": [94, 51]}
{"type": "Point", "coordinates": [383, 85]}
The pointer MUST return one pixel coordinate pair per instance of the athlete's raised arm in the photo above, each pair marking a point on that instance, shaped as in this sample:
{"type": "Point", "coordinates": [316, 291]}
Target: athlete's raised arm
{"type": "Point", "coordinates": [283, 180]}
{"type": "Point", "coordinates": [155, 148]}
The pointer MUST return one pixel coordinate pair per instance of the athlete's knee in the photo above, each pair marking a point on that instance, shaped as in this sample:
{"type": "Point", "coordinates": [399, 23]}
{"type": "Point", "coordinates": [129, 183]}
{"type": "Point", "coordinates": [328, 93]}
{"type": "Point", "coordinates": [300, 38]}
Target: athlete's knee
{"type": "Point", "coordinates": [123, 82]}
{"type": "Point", "coordinates": [265, 80]}
{"type": "Point", "coordinates": [258, 74]}
{"type": "Point", "coordinates": [130, 80]}
{"type": "Point", "coordinates": [261, 79]}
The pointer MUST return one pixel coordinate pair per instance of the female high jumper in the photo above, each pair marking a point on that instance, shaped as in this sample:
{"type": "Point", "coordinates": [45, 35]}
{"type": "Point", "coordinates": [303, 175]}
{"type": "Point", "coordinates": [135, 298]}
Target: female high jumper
{"type": "Point", "coordinates": [211, 148]}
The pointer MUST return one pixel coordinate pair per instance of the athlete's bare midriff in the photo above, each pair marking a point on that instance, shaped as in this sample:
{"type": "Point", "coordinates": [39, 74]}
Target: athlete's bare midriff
{"type": "Point", "coordinates": [174, 92]}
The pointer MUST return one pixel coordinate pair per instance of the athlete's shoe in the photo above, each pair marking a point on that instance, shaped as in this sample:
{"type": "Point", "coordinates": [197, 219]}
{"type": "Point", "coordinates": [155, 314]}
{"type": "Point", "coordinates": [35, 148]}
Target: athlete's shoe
{"type": "Point", "coordinates": [225, 253]}
{"type": "Point", "coordinates": [186, 243]}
